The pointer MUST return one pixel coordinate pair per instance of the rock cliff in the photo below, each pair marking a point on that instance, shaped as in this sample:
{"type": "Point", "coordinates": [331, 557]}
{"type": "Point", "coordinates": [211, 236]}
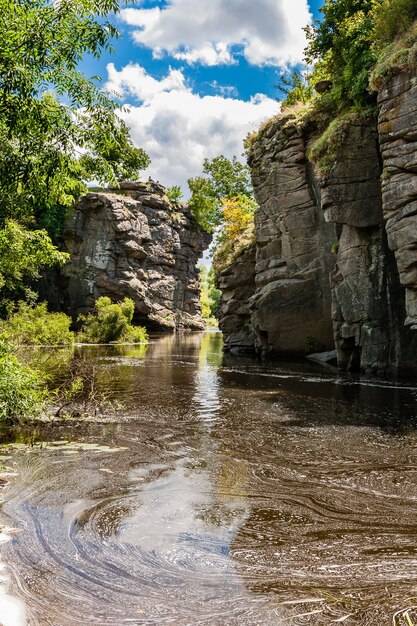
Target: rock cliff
{"type": "Point", "coordinates": [290, 305]}
{"type": "Point", "coordinates": [336, 248]}
{"type": "Point", "coordinates": [135, 243]}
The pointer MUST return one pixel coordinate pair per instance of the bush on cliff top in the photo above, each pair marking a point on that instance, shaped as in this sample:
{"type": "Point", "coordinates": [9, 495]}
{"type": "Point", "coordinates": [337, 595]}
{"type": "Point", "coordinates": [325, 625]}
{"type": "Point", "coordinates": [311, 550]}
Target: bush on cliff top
{"type": "Point", "coordinates": [400, 56]}
{"type": "Point", "coordinates": [327, 147]}
{"type": "Point", "coordinates": [354, 46]}
{"type": "Point", "coordinates": [111, 323]}
{"type": "Point", "coordinates": [232, 248]}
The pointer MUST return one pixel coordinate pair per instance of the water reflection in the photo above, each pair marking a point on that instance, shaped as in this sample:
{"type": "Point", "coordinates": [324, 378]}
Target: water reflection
{"type": "Point", "coordinates": [230, 492]}
{"type": "Point", "coordinates": [207, 385]}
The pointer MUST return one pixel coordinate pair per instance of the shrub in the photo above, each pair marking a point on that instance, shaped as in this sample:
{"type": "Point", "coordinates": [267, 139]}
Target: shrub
{"type": "Point", "coordinates": [392, 18]}
{"type": "Point", "coordinates": [397, 57]}
{"type": "Point", "coordinates": [175, 194]}
{"type": "Point", "coordinates": [23, 255]}
{"type": "Point", "coordinates": [33, 325]}
{"type": "Point", "coordinates": [231, 249]}
{"type": "Point", "coordinates": [111, 323]}
{"type": "Point", "coordinates": [23, 392]}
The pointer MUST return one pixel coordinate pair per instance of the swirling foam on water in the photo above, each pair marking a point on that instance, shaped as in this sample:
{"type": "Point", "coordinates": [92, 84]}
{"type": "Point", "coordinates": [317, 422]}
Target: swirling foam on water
{"type": "Point", "coordinates": [12, 609]}
{"type": "Point", "coordinates": [222, 500]}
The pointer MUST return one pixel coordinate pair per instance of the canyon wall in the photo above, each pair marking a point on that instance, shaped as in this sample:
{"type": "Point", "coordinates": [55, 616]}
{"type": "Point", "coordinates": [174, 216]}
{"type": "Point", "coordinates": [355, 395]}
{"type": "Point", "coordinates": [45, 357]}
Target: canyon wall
{"type": "Point", "coordinates": [135, 243]}
{"type": "Point", "coordinates": [336, 247]}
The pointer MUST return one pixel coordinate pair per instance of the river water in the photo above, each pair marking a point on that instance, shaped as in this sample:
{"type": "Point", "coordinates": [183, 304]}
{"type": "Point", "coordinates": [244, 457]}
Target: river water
{"type": "Point", "coordinates": [227, 492]}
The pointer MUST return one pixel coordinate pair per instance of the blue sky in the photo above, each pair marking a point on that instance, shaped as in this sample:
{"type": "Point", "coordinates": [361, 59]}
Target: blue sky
{"type": "Point", "coordinates": [198, 75]}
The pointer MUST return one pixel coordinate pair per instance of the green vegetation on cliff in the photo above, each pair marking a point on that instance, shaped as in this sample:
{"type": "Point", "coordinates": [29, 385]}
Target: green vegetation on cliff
{"type": "Point", "coordinates": [222, 180]}
{"type": "Point", "coordinates": [353, 48]}
{"type": "Point", "coordinates": [345, 46]}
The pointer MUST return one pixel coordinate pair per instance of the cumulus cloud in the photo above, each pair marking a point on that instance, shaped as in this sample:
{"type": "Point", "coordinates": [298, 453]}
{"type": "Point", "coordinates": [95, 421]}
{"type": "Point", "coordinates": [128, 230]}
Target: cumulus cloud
{"type": "Point", "coordinates": [266, 32]}
{"type": "Point", "coordinates": [133, 80]}
{"type": "Point", "coordinates": [179, 128]}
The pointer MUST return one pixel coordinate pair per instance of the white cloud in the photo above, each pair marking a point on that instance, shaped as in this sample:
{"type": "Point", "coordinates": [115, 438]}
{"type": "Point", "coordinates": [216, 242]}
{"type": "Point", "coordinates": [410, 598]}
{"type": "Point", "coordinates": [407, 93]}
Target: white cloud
{"type": "Point", "coordinates": [133, 80]}
{"type": "Point", "coordinates": [179, 128]}
{"type": "Point", "coordinates": [266, 32]}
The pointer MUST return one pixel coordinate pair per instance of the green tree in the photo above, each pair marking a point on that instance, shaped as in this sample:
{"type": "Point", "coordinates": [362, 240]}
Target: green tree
{"type": "Point", "coordinates": [23, 255]}
{"type": "Point", "coordinates": [57, 127]}
{"type": "Point", "coordinates": [297, 88]}
{"type": "Point", "coordinates": [210, 295]}
{"type": "Point", "coordinates": [342, 43]}
{"type": "Point", "coordinates": [224, 179]}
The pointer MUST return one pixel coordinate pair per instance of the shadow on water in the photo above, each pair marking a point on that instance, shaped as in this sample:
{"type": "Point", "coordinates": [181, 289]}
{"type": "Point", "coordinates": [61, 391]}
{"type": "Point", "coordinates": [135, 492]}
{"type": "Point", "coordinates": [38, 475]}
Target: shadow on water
{"type": "Point", "coordinates": [229, 491]}
{"type": "Point", "coordinates": [315, 395]}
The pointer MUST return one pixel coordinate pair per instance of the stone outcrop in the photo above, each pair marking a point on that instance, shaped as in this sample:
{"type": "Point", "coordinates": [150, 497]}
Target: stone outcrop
{"type": "Point", "coordinates": [336, 253]}
{"type": "Point", "coordinates": [286, 280]}
{"type": "Point", "coordinates": [237, 283]}
{"type": "Point", "coordinates": [135, 243]}
{"type": "Point", "coordinates": [366, 293]}
{"type": "Point", "coordinates": [397, 101]}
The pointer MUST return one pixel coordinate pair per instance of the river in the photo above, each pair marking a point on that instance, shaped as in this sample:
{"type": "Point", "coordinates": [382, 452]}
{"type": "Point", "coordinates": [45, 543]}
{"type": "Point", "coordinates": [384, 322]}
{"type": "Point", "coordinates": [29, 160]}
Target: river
{"type": "Point", "coordinates": [228, 491]}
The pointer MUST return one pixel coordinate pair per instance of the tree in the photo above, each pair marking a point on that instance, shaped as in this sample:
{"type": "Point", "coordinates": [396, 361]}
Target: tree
{"type": "Point", "coordinates": [210, 295]}
{"type": "Point", "coordinates": [342, 43]}
{"type": "Point", "coordinates": [238, 213]}
{"type": "Point", "coordinates": [23, 255]}
{"type": "Point", "coordinates": [224, 179]}
{"type": "Point", "coordinates": [296, 87]}
{"type": "Point", "coordinates": [57, 127]}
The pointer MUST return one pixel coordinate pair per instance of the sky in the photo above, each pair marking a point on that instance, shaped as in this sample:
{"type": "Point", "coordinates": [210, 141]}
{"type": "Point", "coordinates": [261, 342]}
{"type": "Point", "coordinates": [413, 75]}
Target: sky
{"type": "Point", "coordinates": [193, 77]}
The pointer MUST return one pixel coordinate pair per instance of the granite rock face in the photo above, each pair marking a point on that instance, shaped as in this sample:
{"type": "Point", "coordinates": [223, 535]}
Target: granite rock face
{"type": "Point", "coordinates": [135, 243]}
{"type": "Point", "coordinates": [397, 101]}
{"type": "Point", "coordinates": [291, 304]}
{"type": "Point", "coordinates": [366, 293]}
{"type": "Point", "coordinates": [286, 303]}
{"type": "Point", "coordinates": [336, 253]}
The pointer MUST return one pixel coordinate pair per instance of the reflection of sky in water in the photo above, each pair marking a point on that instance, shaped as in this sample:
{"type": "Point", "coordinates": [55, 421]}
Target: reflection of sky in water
{"type": "Point", "coordinates": [12, 610]}
{"type": "Point", "coordinates": [179, 514]}
{"type": "Point", "coordinates": [174, 517]}
{"type": "Point", "coordinates": [206, 400]}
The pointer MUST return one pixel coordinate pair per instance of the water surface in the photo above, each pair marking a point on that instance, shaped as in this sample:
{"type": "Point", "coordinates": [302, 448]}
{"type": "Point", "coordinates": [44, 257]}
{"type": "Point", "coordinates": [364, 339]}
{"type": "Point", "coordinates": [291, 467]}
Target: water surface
{"type": "Point", "coordinates": [227, 492]}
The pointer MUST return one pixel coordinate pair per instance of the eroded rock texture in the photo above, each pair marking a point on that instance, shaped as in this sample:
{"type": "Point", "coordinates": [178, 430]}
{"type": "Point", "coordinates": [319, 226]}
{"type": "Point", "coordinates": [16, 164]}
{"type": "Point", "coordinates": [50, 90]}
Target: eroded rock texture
{"type": "Point", "coordinates": [365, 286]}
{"type": "Point", "coordinates": [237, 283]}
{"type": "Point", "coordinates": [136, 244]}
{"type": "Point", "coordinates": [366, 294]}
{"type": "Point", "coordinates": [290, 309]}
{"type": "Point", "coordinates": [397, 101]}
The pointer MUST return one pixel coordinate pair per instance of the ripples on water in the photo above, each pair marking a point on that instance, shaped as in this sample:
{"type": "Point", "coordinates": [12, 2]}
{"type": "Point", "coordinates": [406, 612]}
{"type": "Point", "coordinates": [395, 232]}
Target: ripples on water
{"type": "Point", "coordinates": [229, 493]}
